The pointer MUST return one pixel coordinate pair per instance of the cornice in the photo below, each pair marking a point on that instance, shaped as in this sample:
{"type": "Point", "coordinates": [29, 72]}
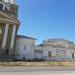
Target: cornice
{"type": "Point", "coordinates": [9, 21]}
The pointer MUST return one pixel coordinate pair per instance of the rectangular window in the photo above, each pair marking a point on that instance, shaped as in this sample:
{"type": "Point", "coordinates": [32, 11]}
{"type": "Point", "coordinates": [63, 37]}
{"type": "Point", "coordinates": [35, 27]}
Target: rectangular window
{"type": "Point", "coordinates": [60, 52]}
{"type": "Point", "coordinates": [49, 54]}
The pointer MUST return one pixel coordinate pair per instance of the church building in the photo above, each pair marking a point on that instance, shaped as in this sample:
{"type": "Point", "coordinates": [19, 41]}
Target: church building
{"type": "Point", "coordinates": [23, 47]}
{"type": "Point", "coordinates": [9, 25]}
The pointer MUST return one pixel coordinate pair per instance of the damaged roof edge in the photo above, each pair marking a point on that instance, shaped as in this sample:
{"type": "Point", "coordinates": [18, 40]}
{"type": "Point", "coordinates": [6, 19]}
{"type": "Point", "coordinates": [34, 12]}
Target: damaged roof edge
{"type": "Point", "coordinates": [22, 36]}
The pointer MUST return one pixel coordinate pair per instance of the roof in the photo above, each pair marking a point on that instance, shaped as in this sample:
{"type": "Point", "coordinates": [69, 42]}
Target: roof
{"type": "Point", "coordinates": [59, 39]}
{"type": "Point", "coordinates": [22, 36]}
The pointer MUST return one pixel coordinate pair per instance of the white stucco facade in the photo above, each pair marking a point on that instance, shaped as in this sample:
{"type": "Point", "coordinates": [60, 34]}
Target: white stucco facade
{"type": "Point", "coordinates": [53, 49]}
{"type": "Point", "coordinates": [24, 47]}
{"type": "Point", "coordinates": [59, 49]}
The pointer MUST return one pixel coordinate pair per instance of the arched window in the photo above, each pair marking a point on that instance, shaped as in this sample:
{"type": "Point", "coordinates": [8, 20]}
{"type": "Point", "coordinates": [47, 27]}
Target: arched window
{"type": "Point", "coordinates": [1, 7]}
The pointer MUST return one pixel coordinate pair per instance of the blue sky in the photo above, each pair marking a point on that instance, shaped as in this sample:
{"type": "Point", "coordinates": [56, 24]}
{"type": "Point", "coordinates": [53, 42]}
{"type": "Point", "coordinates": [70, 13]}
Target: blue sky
{"type": "Point", "coordinates": [43, 19]}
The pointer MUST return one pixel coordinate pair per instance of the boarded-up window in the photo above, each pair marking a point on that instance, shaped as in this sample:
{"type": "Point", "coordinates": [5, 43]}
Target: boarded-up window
{"type": "Point", "coordinates": [73, 55]}
{"type": "Point", "coordinates": [50, 54]}
{"type": "Point", "coordinates": [38, 53]}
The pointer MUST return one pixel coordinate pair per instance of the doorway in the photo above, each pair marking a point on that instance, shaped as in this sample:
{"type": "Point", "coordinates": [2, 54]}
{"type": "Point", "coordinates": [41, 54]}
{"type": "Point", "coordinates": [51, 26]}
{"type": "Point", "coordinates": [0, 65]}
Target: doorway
{"type": "Point", "coordinates": [49, 54]}
{"type": "Point", "coordinates": [72, 55]}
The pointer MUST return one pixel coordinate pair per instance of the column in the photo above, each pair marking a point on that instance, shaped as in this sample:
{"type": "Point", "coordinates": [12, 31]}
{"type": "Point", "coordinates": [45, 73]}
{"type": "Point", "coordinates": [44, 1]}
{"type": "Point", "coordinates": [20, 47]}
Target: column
{"type": "Point", "coordinates": [5, 36]}
{"type": "Point", "coordinates": [13, 37]}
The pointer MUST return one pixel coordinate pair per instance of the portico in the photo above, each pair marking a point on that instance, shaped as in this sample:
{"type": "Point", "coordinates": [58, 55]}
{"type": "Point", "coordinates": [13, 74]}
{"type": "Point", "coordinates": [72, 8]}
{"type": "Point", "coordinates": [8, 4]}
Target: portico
{"type": "Point", "coordinates": [8, 26]}
{"type": "Point", "coordinates": [4, 42]}
{"type": "Point", "coordinates": [8, 35]}
{"type": "Point", "coordinates": [8, 30]}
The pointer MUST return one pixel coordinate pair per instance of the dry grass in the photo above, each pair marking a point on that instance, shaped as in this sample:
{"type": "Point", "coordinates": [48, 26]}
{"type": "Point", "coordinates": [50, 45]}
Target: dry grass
{"type": "Point", "coordinates": [49, 63]}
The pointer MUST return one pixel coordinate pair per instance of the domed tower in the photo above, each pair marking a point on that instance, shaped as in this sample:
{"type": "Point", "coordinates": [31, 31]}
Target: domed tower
{"type": "Point", "coordinates": [10, 8]}
{"type": "Point", "coordinates": [9, 24]}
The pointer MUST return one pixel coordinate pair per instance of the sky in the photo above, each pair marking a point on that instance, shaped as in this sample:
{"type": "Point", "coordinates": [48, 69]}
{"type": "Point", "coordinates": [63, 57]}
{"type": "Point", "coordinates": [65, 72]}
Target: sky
{"type": "Point", "coordinates": [45, 19]}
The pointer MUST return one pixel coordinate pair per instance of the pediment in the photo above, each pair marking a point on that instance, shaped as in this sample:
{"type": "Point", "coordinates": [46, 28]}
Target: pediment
{"type": "Point", "coordinates": [2, 14]}
{"type": "Point", "coordinates": [5, 18]}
